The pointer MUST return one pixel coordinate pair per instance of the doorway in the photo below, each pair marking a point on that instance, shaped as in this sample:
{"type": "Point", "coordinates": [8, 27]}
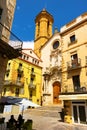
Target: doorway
{"type": "Point", "coordinates": [79, 113]}
{"type": "Point", "coordinates": [56, 91]}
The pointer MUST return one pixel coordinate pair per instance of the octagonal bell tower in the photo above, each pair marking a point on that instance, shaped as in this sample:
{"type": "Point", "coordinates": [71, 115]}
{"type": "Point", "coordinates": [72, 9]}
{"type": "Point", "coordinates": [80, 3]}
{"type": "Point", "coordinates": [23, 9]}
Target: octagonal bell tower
{"type": "Point", "coordinates": [43, 30]}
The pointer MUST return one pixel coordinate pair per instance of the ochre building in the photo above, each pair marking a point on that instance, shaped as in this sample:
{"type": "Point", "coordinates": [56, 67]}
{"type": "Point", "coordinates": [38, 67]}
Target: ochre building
{"type": "Point", "coordinates": [74, 70]}
{"type": "Point", "coordinates": [23, 77]}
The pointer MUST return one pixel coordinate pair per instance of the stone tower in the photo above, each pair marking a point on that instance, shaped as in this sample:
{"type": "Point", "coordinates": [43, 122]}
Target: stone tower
{"type": "Point", "coordinates": [43, 31]}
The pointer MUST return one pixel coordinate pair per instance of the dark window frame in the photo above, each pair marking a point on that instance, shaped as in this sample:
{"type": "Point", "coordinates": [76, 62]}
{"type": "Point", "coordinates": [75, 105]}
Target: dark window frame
{"type": "Point", "coordinates": [72, 38]}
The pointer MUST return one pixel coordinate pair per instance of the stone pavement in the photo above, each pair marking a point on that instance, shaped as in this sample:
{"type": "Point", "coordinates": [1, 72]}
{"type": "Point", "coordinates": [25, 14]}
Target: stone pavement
{"type": "Point", "coordinates": [50, 123]}
{"type": "Point", "coordinates": [43, 119]}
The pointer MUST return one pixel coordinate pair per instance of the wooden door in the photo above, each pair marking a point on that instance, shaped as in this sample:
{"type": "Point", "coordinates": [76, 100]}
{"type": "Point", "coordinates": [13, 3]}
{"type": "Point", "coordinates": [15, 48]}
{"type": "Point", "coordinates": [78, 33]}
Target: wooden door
{"type": "Point", "coordinates": [56, 91]}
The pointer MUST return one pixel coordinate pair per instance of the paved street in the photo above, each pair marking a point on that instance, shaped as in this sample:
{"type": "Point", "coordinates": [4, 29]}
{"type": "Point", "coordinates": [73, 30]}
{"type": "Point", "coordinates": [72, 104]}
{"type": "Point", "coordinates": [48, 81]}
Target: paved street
{"type": "Point", "coordinates": [44, 121]}
{"type": "Point", "coordinates": [50, 123]}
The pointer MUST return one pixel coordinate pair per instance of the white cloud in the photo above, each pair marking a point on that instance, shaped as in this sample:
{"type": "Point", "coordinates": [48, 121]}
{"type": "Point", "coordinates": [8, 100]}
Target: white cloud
{"type": "Point", "coordinates": [28, 44]}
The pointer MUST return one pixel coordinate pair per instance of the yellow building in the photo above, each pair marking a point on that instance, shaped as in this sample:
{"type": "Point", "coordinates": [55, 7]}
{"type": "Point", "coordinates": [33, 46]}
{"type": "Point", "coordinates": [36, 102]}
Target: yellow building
{"type": "Point", "coordinates": [74, 70]}
{"type": "Point", "coordinates": [23, 77]}
{"type": "Point", "coordinates": [43, 31]}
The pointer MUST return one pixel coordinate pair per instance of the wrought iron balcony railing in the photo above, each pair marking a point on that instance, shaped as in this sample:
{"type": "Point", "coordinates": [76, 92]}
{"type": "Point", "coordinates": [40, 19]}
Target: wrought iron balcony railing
{"type": "Point", "coordinates": [82, 88]}
{"type": "Point", "coordinates": [10, 45]}
{"type": "Point", "coordinates": [7, 36]}
{"type": "Point", "coordinates": [32, 86]}
{"type": "Point", "coordinates": [73, 64]}
{"type": "Point", "coordinates": [13, 82]}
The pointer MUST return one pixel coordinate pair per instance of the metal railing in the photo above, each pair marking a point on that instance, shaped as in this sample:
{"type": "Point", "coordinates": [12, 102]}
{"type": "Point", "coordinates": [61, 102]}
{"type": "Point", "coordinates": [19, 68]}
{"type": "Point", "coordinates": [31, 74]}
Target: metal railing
{"type": "Point", "coordinates": [82, 88]}
{"type": "Point", "coordinates": [74, 64]}
{"type": "Point", "coordinates": [32, 86]}
{"type": "Point", "coordinates": [14, 82]}
{"type": "Point", "coordinates": [7, 36]}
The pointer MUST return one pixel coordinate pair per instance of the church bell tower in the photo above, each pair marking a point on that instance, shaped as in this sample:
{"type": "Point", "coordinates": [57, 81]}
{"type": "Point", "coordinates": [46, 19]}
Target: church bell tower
{"type": "Point", "coordinates": [43, 30]}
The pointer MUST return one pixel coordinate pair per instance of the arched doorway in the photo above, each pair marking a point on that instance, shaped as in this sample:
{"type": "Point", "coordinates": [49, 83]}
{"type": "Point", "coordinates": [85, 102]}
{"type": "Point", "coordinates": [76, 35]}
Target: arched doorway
{"type": "Point", "coordinates": [56, 91]}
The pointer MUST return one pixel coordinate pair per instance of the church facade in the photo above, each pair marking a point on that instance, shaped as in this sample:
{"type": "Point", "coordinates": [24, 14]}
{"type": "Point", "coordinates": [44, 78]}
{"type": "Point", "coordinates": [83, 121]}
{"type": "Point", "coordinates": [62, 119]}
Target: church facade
{"type": "Point", "coordinates": [64, 73]}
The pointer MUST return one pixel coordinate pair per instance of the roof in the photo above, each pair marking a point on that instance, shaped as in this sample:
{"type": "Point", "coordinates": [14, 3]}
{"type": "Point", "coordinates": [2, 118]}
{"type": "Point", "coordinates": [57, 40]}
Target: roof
{"type": "Point", "coordinates": [44, 13]}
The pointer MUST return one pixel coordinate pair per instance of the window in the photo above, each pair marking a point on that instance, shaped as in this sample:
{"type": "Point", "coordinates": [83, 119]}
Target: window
{"type": "Point", "coordinates": [32, 70]}
{"type": "Point", "coordinates": [24, 56]}
{"type": "Point", "coordinates": [17, 91]}
{"type": "Point", "coordinates": [19, 77]}
{"type": "Point", "coordinates": [73, 57]}
{"type": "Point", "coordinates": [8, 69]}
{"type": "Point", "coordinates": [27, 57]}
{"type": "Point", "coordinates": [72, 38]}
{"type": "Point", "coordinates": [31, 94]}
{"type": "Point", "coordinates": [74, 60]}
{"type": "Point", "coordinates": [31, 52]}
{"type": "Point", "coordinates": [76, 82]}
{"type": "Point", "coordinates": [33, 60]}
{"type": "Point", "coordinates": [20, 65]}
{"type": "Point", "coordinates": [20, 72]}
{"type": "Point", "coordinates": [56, 45]}
{"type": "Point", "coordinates": [1, 12]}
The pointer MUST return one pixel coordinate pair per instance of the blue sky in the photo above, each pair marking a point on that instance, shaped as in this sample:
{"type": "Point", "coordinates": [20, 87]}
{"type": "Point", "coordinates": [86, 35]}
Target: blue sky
{"type": "Point", "coordinates": [63, 12]}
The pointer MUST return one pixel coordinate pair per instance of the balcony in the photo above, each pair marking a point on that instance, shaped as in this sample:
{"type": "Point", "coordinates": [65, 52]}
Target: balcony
{"type": "Point", "coordinates": [33, 75]}
{"type": "Point", "coordinates": [20, 71]}
{"type": "Point", "coordinates": [10, 45]}
{"type": "Point", "coordinates": [74, 64]}
{"type": "Point", "coordinates": [75, 89]}
{"type": "Point", "coordinates": [70, 92]}
{"type": "Point", "coordinates": [32, 86]}
{"type": "Point", "coordinates": [56, 66]}
{"type": "Point", "coordinates": [13, 83]}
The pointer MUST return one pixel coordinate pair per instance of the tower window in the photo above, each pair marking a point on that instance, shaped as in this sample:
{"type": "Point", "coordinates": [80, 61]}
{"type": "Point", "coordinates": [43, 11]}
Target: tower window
{"type": "Point", "coordinates": [38, 28]}
{"type": "Point", "coordinates": [48, 27]}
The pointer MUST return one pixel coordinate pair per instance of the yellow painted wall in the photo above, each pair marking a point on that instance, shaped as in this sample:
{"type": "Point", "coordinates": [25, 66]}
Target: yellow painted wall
{"type": "Point", "coordinates": [78, 47]}
{"type": "Point", "coordinates": [26, 79]}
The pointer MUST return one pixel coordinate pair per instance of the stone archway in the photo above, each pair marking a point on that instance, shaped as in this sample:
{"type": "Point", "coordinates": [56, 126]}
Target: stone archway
{"type": "Point", "coordinates": [56, 91]}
